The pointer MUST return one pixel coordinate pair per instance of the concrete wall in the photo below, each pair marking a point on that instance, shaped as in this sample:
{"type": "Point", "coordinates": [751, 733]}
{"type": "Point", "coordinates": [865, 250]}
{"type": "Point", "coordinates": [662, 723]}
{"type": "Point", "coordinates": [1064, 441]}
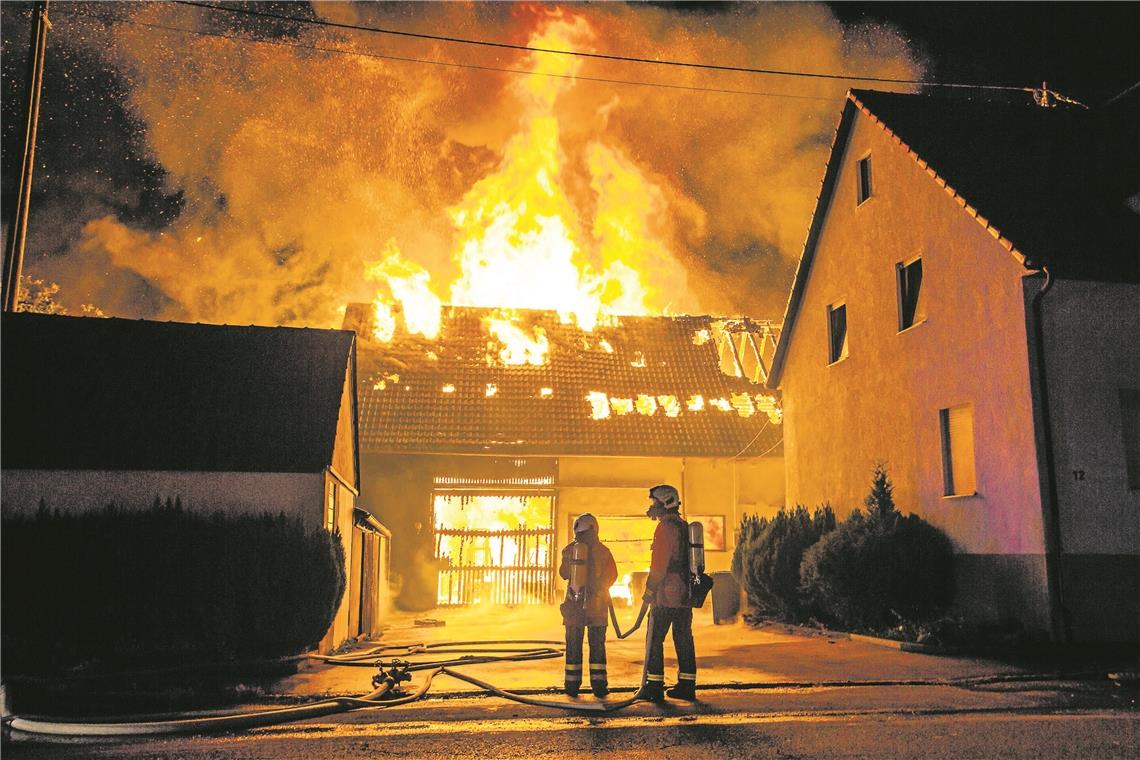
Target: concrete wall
{"type": "Point", "coordinates": [1092, 351]}
{"type": "Point", "coordinates": [882, 402]}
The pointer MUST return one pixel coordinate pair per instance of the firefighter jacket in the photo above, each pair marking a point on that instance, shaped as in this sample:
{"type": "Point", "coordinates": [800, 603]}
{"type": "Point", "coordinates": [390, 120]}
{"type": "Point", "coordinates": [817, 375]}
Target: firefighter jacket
{"type": "Point", "coordinates": [667, 585]}
{"type": "Point", "coordinates": [601, 574]}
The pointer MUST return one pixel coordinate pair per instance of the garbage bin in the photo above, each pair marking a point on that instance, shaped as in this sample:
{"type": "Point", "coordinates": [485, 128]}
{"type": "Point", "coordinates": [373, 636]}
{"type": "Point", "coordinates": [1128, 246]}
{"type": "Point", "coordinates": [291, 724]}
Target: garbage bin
{"type": "Point", "coordinates": [725, 598]}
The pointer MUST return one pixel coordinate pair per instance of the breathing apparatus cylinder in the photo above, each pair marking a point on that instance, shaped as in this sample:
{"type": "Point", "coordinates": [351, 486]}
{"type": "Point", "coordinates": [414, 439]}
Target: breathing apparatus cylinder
{"type": "Point", "coordinates": [696, 548]}
{"type": "Point", "coordinates": [579, 571]}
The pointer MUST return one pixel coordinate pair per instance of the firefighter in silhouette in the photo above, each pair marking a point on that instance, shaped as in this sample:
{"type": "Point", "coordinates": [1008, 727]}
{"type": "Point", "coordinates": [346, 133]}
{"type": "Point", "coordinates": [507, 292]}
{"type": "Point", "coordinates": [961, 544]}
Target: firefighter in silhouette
{"type": "Point", "coordinates": [667, 590]}
{"type": "Point", "coordinates": [590, 569]}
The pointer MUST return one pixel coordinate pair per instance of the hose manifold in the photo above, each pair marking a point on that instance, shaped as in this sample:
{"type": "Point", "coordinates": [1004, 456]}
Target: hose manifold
{"type": "Point", "coordinates": [397, 672]}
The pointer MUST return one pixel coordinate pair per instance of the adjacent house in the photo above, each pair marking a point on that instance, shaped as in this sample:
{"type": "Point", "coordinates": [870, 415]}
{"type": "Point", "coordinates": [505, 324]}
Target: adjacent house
{"type": "Point", "coordinates": [479, 451]}
{"type": "Point", "coordinates": [242, 419]}
{"type": "Point", "coordinates": [967, 311]}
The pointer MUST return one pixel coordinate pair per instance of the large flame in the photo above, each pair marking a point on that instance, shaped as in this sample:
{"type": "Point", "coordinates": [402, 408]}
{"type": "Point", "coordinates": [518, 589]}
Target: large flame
{"type": "Point", "coordinates": [521, 241]}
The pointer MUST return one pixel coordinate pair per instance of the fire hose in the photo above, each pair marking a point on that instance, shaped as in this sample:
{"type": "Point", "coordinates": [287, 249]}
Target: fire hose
{"type": "Point", "coordinates": [386, 691]}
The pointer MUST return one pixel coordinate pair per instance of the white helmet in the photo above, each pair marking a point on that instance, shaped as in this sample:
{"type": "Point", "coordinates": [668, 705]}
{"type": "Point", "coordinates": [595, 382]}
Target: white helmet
{"type": "Point", "coordinates": [584, 523]}
{"type": "Point", "coordinates": [667, 495]}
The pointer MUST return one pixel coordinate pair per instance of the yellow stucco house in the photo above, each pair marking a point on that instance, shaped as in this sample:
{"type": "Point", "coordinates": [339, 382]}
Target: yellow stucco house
{"type": "Point", "coordinates": [967, 311]}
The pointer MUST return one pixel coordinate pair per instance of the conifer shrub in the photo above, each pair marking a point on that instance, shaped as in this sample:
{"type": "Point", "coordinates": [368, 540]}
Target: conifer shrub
{"type": "Point", "coordinates": [768, 554]}
{"type": "Point", "coordinates": [879, 568]}
{"type": "Point", "coordinates": [120, 587]}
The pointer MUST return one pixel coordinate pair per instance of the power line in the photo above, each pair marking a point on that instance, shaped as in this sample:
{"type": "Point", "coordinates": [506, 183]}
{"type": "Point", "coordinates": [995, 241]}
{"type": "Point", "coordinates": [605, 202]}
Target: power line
{"type": "Point", "coordinates": [450, 64]}
{"type": "Point", "coordinates": [583, 54]}
{"type": "Point", "coordinates": [754, 439]}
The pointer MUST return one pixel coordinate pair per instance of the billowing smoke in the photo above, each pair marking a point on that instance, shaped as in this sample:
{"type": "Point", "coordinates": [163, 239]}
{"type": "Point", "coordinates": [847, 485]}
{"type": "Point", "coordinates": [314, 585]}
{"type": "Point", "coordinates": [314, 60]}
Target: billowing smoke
{"type": "Point", "coordinates": [285, 170]}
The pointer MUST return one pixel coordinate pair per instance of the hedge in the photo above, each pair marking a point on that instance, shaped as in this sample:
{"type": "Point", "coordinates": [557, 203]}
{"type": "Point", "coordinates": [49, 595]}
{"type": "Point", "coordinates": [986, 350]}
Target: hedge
{"type": "Point", "coordinates": [766, 561]}
{"type": "Point", "coordinates": [879, 568]}
{"type": "Point", "coordinates": [118, 586]}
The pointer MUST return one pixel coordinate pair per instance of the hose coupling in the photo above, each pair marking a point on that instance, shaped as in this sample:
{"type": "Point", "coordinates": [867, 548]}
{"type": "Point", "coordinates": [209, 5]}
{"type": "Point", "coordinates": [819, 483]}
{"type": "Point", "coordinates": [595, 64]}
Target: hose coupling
{"type": "Point", "coordinates": [397, 672]}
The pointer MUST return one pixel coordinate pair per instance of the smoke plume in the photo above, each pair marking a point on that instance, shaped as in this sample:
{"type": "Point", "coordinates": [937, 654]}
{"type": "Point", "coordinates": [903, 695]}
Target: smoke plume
{"type": "Point", "coordinates": [286, 167]}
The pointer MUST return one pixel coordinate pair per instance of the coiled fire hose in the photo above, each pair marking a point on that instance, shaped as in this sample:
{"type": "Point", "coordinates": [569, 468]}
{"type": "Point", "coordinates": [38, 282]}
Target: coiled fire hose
{"type": "Point", "coordinates": [392, 671]}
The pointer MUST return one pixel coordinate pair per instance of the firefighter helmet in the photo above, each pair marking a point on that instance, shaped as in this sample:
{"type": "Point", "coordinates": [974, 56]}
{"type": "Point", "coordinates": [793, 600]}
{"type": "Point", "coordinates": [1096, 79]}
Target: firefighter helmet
{"type": "Point", "coordinates": [667, 495]}
{"type": "Point", "coordinates": [584, 523]}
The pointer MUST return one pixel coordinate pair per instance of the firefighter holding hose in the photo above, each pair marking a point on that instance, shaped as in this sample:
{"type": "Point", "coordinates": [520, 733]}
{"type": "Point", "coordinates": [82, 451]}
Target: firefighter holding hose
{"type": "Point", "coordinates": [590, 569]}
{"type": "Point", "coordinates": [667, 592]}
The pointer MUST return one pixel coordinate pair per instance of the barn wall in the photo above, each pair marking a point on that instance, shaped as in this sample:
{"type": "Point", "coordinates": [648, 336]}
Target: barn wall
{"type": "Point", "coordinates": [718, 487]}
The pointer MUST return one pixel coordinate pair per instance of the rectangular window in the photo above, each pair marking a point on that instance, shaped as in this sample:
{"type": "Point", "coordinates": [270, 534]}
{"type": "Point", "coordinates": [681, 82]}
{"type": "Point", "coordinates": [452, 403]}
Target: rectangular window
{"type": "Point", "coordinates": [864, 190]}
{"type": "Point", "coordinates": [1130, 423]}
{"type": "Point", "coordinates": [836, 332]}
{"type": "Point", "coordinates": [909, 278]}
{"type": "Point", "coordinates": [958, 476]}
{"type": "Point", "coordinates": [330, 508]}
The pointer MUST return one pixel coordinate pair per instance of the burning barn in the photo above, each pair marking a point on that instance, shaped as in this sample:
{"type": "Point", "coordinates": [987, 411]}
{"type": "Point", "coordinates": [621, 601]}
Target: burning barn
{"type": "Point", "coordinates": [481, 444]}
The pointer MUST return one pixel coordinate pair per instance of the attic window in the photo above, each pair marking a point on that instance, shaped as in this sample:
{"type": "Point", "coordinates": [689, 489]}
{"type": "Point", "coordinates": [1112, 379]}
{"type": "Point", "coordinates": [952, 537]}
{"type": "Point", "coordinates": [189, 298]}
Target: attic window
{"type": "Point", "coordinates": [836, 332]}
{"type": "Point", "coordinates": [909, 278]}
{"type": "Point", "coordinates": [864, 188]}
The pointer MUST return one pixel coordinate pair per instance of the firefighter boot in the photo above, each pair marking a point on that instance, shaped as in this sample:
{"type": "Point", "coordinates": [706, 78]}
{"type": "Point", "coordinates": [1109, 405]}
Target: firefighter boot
{"type": "Point", "coordinates": [652, 691]}
{"type": "Point", "coordinates": [686, 690]}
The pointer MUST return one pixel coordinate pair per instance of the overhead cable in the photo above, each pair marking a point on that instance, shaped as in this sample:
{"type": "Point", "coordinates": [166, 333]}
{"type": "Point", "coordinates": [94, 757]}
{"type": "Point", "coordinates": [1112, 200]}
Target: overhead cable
{"type": "Point", "coordinates": [584, 54]}
{"type": "Point", "coordinates": [109, 19]}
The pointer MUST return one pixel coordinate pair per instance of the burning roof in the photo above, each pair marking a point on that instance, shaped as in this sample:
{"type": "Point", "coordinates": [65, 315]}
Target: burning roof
{"type": "Point", "coordinates": [649, 386]}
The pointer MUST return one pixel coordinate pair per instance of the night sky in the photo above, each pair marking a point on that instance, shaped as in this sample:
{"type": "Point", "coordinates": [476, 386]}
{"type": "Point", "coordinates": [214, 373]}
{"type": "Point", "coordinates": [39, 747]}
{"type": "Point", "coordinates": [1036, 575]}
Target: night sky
{"type": "Point", "coordinates": [153, 141]}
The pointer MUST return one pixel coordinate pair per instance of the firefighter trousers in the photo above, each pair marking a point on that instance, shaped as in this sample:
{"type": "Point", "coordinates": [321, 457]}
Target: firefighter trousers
{"type": "Point", "coordinates": [661, 619]}
{"type": "Point", "coordinates": [597, 638]}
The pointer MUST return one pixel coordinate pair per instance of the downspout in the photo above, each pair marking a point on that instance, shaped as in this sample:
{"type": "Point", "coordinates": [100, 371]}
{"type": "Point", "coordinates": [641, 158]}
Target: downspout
{"type": "Point", "coordinates": [1050, 508]}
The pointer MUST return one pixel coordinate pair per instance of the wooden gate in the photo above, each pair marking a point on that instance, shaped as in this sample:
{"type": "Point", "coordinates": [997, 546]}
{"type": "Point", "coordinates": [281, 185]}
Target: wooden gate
{"type": "Point", "coordinates": [494, 565]}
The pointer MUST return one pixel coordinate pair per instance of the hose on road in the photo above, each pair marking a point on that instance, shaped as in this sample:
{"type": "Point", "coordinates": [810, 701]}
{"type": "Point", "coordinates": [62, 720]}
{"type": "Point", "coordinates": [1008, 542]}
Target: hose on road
{"type": "Point", "coordinates": [386, 693]}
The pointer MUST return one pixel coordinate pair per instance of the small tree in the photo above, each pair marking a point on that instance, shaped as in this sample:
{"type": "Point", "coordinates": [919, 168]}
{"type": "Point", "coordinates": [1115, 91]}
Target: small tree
{"type": "Point", "coordinates": [767, 564]}
{"type": "Point", "coordinates": [880, 502]}
{"type": "Point", "coordinates": [879, 567]}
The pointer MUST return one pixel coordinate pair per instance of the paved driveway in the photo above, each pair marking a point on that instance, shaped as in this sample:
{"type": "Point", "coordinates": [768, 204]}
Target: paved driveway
{"type": "Point", "coordinates": [727, 655]}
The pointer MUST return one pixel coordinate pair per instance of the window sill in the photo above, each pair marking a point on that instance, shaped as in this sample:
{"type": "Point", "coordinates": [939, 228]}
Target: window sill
{"type": "Point", "coordinates": [840, 360]}
{"type": "Point", "coordinates": [955, 496]}
{"type": "Point", "coordinates": [919, 323]}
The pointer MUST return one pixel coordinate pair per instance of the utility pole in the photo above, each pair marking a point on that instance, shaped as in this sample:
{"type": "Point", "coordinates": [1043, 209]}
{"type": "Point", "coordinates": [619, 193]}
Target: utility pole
{"type": "Point", "coordinates": [18, 222]}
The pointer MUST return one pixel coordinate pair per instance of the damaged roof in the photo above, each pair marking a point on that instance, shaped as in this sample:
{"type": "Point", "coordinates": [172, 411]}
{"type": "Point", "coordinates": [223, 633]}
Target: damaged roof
{"type": "Point", "coordinates": [83, 393]}
{"type": "Point", "coordinates": [640, 386]}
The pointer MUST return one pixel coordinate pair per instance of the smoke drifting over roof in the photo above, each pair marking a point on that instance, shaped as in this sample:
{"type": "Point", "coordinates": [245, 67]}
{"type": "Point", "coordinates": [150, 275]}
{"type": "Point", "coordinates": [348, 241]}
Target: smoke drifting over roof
{"type": "Point", "coordinates": [209, 177]}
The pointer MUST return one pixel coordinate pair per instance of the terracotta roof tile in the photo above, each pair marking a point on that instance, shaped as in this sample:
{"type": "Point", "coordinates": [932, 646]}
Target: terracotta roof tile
{"type": "Point", "coordinates": [404, 407]}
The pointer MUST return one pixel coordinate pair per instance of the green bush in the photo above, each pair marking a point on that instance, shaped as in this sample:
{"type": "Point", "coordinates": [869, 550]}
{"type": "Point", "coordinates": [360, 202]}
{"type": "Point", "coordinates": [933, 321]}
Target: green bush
{"type": "Point", "coordinates": [747, 534]}
{"type": "Point", "coordinates": [137, 587]}
{"type": "Point", "coordinates": [879, 568]}
{"type": "Point", "coordinates": [768, 555]}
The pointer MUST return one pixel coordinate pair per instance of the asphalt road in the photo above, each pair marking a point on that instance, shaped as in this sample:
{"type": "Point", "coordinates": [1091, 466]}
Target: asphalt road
{"type": "Point", "coordinates": [890, 722]}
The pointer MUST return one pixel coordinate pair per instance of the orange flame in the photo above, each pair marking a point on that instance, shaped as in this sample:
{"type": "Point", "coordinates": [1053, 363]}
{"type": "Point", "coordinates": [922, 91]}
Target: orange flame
{"type": "Point", "coordinates": [520, 240]}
